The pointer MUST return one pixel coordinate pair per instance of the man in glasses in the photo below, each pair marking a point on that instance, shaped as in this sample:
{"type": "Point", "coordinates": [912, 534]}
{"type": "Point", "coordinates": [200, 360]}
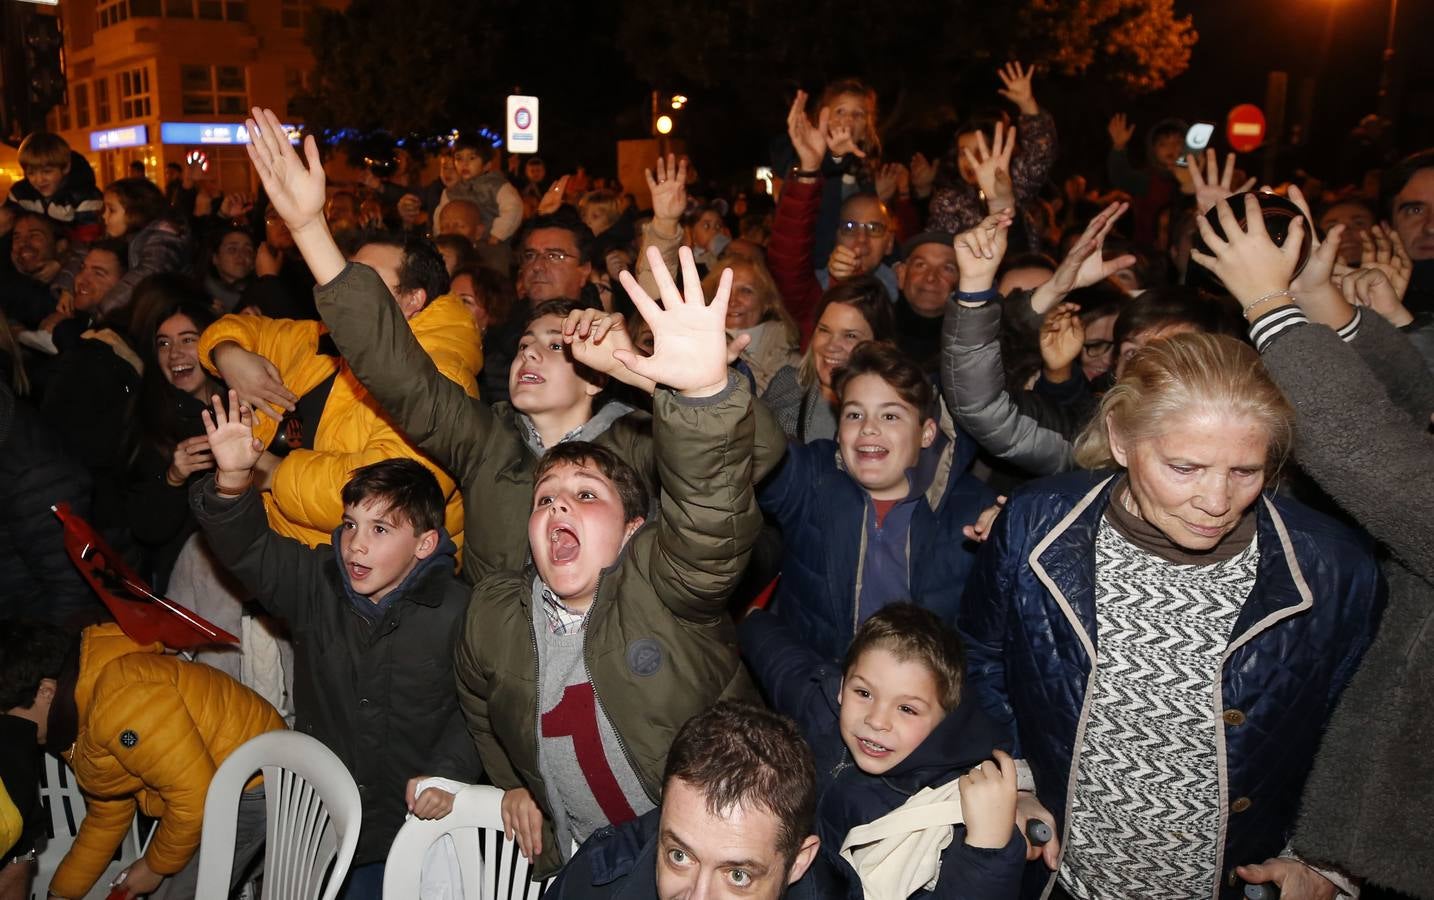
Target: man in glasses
{"type": "Point", "coordinates": [553, 262]}
{"type": "Point", "coordinates": [864, 236]}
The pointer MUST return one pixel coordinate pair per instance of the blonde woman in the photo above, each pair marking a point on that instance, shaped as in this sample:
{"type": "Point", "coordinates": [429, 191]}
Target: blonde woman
{"type": "Point", "coordinates": [1168, 638]}
{"type": "Point", "coordinates": [755, 309]}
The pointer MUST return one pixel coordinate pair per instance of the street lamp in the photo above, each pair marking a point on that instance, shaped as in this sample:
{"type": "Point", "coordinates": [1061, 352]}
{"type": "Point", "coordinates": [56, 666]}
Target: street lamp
{"type": "Point", "coordinates": [664, 124]}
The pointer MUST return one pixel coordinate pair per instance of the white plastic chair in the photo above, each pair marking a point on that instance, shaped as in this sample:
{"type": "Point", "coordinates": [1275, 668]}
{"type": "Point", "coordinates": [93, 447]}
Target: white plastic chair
{"type": "Point", "coordinates": [492, 867]}
{"type": "Point", "coordinates": [61, 797]}
{"type": "Point", "coordinates": [314, 814]}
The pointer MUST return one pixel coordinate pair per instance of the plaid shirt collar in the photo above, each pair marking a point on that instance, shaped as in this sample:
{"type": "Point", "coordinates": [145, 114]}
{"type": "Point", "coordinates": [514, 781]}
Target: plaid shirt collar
{"type": "Point", "coordinates": [561, 620]}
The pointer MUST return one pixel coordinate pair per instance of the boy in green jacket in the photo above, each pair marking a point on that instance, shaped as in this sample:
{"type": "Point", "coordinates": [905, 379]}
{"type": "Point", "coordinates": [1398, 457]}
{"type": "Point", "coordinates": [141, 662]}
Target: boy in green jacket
{"type": "Point", "coordinates": [617, 633]}
{"type": "Point", "coordinates": [491, 451]}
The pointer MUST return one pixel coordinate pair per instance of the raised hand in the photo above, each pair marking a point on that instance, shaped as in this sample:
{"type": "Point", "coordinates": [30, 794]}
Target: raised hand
{"type": "Point", "coordinates": [594, 336]}
{"type": "Point", "coordinates": [1371, 287]}
{"type": "Point", "coordinates": [296, 190]}
{"type": "Point", "coordinates": [1382, 248]}
{"type": "Point", "coordinates": [1213, 184]}
{"type": "Point", "coordinates": [979, 251]}
{"type": "Point", "coordinates": [235, 206]}
{"type": "Point", "coordinates": [810, 141]}
{"type": "Point", "coordinates": [993, 167]}
{"type": "Point", "coordinates": [1120, 131]}
{"type": "Point", "coordinates": [840, 139]}
{"type": "Point", "coordinates": [1315, 291]}
{"type": "Point", "coordinates": [689, 336]}
{"type": "Point", "coordinates": [888, 180]}
{"type": "Point", "coordinates": [231, 437]}
{"type": "Point", "coordinates": [1249, 263]}
{"type": "Point", "coordinates": [1062, 339]}
{"type": "Point", "coordinates": [1017, 81]}
{"type": "Point", "coordinates": [668, 187]}
{"type": "Point", "coordinates": [1085, 263]}
{"type": "Point", "coordinates": [923, 174]}
{"type": "Point", "coordinates": [553, 200]}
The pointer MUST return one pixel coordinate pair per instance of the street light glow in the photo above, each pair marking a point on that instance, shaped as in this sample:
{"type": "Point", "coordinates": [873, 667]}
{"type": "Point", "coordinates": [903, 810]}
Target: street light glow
{"type": "Point", "coordinates": [664, 124]}
{"type": "Point", "coordinates": [678, 101]}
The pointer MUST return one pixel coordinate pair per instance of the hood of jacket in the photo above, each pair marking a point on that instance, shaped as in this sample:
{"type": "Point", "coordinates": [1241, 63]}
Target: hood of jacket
{"type": "Point", "coordinates": [443, 558]}
{"type": "Point", "coordinates": [446, 331]}
{"type": "Point", "coordinates": [600, 422]}
{"type": "Point", "coordinates": [99, 646]}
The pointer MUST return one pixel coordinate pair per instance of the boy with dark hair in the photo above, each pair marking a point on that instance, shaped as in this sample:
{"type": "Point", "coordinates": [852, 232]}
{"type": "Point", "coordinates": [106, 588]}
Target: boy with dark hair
{"type": "Point", "coordinates": [738, 801]}
{"type": "Point", "coordinates": [875, 515]}
{"type": "Point", "coordinates": [481, 182]}
{"type": "Point", "coordinates": [58, 187]}
{"type": "Point", "coordinates": [374, 621]}
{"type": "Point", "coordinates": [142, 730]}
{"type": "Point", "coordinates": [886, 725]}
{"type": "Point", "coordinates": [617, 632]}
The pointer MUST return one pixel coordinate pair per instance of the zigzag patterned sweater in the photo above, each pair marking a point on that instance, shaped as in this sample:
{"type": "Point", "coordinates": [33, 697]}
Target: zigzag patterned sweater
{"type": "Point", "coordinates": [1145, 819]}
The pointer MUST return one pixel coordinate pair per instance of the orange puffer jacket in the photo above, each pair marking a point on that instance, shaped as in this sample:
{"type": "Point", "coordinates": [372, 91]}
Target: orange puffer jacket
{"type": "Point", "coordinates": [153, 729]}
{"type": "Point", "coordinates": [353, 431]}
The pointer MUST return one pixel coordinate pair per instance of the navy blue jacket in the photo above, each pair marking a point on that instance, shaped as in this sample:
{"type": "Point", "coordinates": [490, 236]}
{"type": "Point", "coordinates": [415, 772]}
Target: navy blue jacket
{"type": "Point", "coordinates": [826, 519]}
{"type": "Point", "coordinates": [802, 685]}
{"type": "Point", "coordinates": [621, 863]}
{"type": "Point", "coordinates": [1029, 622]}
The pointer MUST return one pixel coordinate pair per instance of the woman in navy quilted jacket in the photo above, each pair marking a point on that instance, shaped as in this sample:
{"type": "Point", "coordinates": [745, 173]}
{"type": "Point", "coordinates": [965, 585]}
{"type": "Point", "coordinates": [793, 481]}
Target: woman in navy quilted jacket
{"type": "Point", "coordinates": [1168, 638]}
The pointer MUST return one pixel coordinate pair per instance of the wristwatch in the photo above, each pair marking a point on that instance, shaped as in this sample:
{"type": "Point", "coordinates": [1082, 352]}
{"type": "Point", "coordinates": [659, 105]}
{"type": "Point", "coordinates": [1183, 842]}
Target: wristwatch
{"type": "Point", "coordinates": [28, 856]}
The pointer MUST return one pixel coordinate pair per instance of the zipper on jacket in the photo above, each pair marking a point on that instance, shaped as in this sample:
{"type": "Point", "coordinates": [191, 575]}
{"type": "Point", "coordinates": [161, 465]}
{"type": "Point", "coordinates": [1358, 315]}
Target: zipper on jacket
{"type": "Point", "coordinates": [587, 670]}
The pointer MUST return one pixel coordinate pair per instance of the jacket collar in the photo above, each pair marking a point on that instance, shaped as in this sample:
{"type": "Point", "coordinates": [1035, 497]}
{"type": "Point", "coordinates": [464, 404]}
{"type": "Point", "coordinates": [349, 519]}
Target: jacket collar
{"type": "Point", "coordinates": [600, 421]}
{"type": "Point", "coordinates": [442, 559]}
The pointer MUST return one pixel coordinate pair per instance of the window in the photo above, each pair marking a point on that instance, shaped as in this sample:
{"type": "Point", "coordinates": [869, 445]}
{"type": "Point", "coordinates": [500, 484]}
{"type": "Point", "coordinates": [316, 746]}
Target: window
{"type": "Point", "coordinates": [134, 93]}
{"type": "Point", "coordinates": [102, 101]}
{"type": "Point", "coordinates": [112, 12]}
{"type": "Point", "coordinates": [80, 101]}
{"type": "Point", "coordinates": [294, 13]}
{"type": "Point", "coordinates": [213, 90]}
{"type": "Point", "coordinates": [298, 81]}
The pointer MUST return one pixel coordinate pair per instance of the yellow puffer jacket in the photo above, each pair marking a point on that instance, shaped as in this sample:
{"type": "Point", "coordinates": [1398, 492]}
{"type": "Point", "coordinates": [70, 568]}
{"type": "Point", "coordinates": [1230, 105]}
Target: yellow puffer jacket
{"type": "Point", "coordinates": [153, 730]}
{"type": "Point", "coordinates": [354, 431]}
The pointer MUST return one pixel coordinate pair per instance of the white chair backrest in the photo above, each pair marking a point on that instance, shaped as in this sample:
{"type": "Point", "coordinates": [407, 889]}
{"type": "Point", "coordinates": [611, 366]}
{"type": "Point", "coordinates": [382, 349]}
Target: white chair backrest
{"type": "Point", "coordinates": [61, 797]}
{"type": "Point", "coordinates": [491, 866]}
{"type": "Point", "coordinates": [314, 815]}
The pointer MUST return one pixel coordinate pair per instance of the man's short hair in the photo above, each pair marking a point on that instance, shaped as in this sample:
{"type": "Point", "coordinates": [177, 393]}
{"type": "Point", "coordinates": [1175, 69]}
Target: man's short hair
{"type": "Point", "coordinates": [30, 652]}
{"type": "Point", "coordinates": [567, 221]}
{"type": "Point", "coordinates": [1394, 180]}
{"type": "Point", "coordinates": [886, 361]}
{"type": "Point", "coordinates": [629, 485]}
{"type": "Point", "coordinates": [115, 247]}
{"type": "Point", "coordinates": [913, 634]}
{"type": "Point", "coordinates": [742, 755]}
{"type": "Point", "coordinates": [50, 226]}
{"type": "Point", "coordinates": [43, 149]}
{"type": "Point", "coordinates": [1170, 305]}
{"type": "Point", "coordinates": [409, 490]}
{"type": "Point", "coordinates": [422, 265]}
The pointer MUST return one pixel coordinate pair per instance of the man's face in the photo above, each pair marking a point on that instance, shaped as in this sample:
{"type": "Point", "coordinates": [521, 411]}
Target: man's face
{"type": "Point", "coordinates": [1356, 220]}
{"type": "Point", "coordinates": [548, 277]}
{"type": "Point", "coordinates": [1098, 351]}
{"type": "Point", "coordinates": [576, 530]}
{"type": "Point", "coordinates": [889, 706]}
{"type": "Point", "coordinates": [928, 276]}
{"type": "Point", "coordinates": [99, 272]}
{"type": "Point", "coordinates": [864, 229]}
{"type": "Point", "coordinates": [33, 245]}
{"type": "Point", "coordinates": [378, 549]}
{"type": "Point", "coordinates": [701, 856]}
{"type": "Point", "coordinates": [235, 257]}
{"type": "Point", "coordinates": [463, 219]}
{"type": "Point", "coordinates": [880, 436]}
{"type": "Point", "coordinates": [543, 378]}
{"type": "Point", "coordinates": [1414, 215]}
{"type": "Point", "coordinates": [45, 179]}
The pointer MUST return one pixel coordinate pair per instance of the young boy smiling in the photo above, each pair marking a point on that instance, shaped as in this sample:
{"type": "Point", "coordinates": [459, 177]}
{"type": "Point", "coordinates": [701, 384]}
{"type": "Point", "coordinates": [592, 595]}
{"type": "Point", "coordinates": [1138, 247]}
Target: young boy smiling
{"type": "Point", "coordinates": [887, 723]}
{"type": "Point", "coordinates": [877, 515]}
{"type": "Point", "coordinates": [616, 633]}
{"type": "Point", "coordinates": [374, 620]}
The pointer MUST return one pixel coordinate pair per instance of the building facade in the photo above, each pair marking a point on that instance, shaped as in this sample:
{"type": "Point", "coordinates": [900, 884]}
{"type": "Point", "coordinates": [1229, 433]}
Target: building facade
{"type": "Point", "coordinates": [161, 81]}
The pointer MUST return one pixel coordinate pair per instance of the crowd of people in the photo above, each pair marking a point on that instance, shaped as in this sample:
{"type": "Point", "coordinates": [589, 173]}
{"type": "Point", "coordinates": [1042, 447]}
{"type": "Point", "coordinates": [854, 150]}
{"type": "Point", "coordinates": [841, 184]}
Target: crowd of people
{"type": "Point", "coordinates": [934, 530]}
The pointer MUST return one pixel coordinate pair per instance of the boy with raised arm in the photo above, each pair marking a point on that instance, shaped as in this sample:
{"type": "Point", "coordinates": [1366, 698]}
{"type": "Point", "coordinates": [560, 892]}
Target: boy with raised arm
{"type": "Point", "coordinates": [618, 632]}
{"type": "Point", "coordinates": [492, 451]}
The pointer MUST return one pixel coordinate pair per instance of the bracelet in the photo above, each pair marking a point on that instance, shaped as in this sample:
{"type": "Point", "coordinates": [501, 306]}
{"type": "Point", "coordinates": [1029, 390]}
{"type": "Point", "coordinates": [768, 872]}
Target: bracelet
{"type": "Point", "coordinates": [1268, 298]}
{"type": "Point", "coordinates": [806, 173]}
{"type": "Point", "coordinates": [224, 492]}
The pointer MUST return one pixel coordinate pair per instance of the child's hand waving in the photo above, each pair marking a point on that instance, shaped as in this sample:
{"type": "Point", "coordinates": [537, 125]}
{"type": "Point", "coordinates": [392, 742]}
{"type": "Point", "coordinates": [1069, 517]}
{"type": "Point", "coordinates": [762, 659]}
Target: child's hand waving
{"type": "Point", "coordinates": [689, 335]}
{"type": "Point", "coordinates": [988, 801]}
{"type": "Point", "coordinates": [232, 441]}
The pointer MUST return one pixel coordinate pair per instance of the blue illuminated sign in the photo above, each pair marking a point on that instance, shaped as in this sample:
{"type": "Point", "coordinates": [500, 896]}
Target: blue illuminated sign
{"type": "Point", "coordinates": [212, 133]}
{"type": "Point", "coordinates": [115, 138]}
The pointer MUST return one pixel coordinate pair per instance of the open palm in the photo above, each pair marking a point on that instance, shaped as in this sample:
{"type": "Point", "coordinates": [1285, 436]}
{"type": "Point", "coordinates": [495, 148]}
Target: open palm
{"type": "Point", "coordinates": [295, 190]}
{"type": "Point", "coordinates": [689, 335]}
{"type": "Point", "coordinates": [231, 435]}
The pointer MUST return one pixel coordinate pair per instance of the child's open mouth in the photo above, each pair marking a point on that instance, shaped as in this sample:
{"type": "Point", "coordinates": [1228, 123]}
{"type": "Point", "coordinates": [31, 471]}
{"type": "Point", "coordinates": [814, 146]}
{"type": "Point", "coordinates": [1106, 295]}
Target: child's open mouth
{"type": "Point", "coordinates": [564, 544]}
{"type": "Point", "coordinates": [872, 748]}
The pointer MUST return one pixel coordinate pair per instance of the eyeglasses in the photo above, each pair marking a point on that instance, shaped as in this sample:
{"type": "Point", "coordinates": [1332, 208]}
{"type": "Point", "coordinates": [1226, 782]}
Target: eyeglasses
{"type": "Point", "coordinates": [1097, 348]}
{"type": "Point", "coordinates": [551, 257]}
{"type": "Point", "coordinates": [851, 229]}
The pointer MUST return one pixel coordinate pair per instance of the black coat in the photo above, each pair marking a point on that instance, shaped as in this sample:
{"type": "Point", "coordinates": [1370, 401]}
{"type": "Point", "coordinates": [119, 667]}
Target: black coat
{"type": "Point", "coordinates": [381, 695]}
